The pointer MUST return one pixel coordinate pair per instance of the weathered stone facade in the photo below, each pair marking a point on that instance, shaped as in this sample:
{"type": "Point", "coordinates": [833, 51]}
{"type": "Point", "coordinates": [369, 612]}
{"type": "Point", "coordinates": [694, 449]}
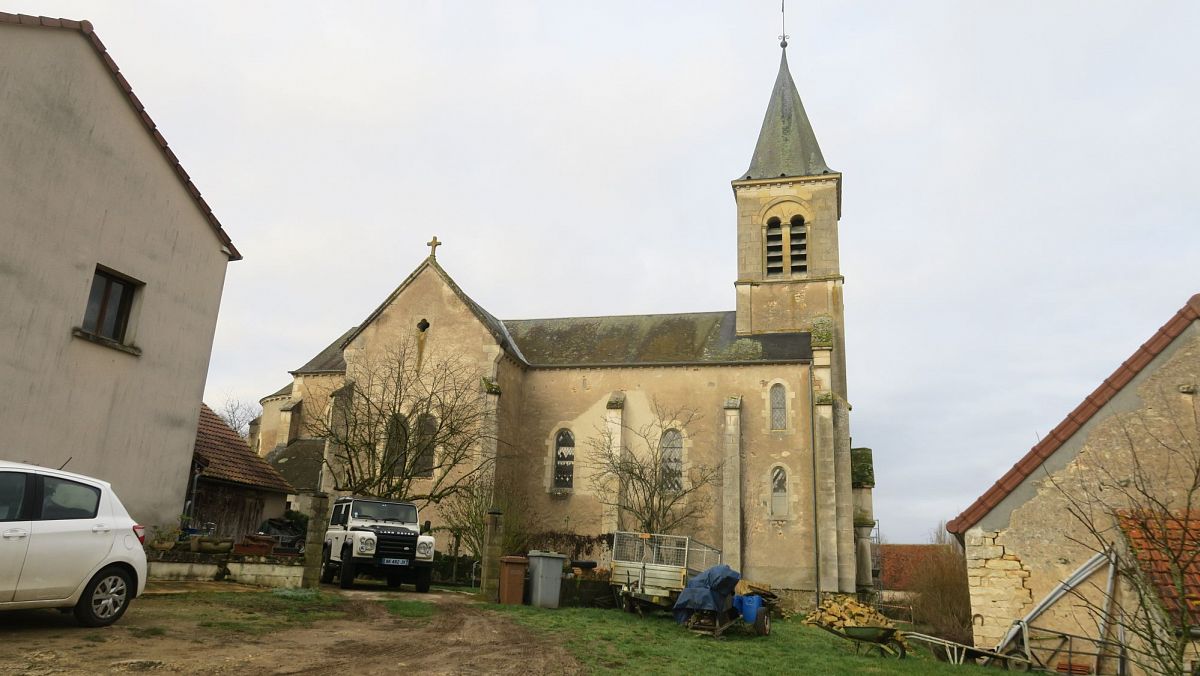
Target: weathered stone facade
{"type": "Point", "coordinates": [767, 380]}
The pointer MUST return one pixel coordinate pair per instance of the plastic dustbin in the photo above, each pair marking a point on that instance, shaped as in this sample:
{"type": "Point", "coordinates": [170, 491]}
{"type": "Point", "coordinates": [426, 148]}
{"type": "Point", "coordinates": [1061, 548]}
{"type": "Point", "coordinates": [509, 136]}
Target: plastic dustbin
{"type": "Point", "coordinates": [545, 578]}
{"type": "Point", "coordinates": [512, 579]}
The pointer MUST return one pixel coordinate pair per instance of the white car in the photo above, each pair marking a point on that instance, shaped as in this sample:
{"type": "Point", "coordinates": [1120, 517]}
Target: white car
{"type": "Point", "coordinates": [67, 542]}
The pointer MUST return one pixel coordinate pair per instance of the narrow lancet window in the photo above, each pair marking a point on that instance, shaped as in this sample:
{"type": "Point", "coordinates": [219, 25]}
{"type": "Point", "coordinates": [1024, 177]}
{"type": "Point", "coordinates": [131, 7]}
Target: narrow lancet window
{"type": "Point", "coordinates": [671, 455]}
{"type": "Point", "coordinates": [564, 460]}
{"type": "Point", "coordinates": [779, 492]}
{"type": "Point", "coordinates": [778, 407]}
{"type": "Point", "coordinates": [427, 431]}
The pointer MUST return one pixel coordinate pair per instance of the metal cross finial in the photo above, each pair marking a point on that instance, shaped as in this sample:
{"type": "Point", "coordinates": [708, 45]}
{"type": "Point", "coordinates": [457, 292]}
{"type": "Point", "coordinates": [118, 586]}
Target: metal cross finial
{"type": "Point", "coordinates": [783, 24]}
{"type": "Point", "coordinates": [433, 244]}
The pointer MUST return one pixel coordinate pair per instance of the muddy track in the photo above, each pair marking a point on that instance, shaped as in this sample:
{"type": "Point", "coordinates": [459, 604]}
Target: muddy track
{"type": "Point", "coordinates": [460, 638]}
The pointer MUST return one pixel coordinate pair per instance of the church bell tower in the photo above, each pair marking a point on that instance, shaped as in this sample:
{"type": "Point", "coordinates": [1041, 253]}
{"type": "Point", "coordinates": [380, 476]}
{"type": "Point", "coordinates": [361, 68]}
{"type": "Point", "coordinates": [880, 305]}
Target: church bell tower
{"type": "Point", "coordinates": [788, 205]}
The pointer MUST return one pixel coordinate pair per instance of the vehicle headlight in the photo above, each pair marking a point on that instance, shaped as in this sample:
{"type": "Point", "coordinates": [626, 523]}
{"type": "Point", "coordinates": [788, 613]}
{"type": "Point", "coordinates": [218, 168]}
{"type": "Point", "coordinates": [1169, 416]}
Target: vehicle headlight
{"type": "Point", "coordinates": [366, 545]}
{"type": "Point", "coordinates": [425, 549]}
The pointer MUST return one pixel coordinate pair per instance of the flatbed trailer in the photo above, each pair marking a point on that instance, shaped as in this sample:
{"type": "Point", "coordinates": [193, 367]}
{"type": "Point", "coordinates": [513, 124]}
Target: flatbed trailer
{"type": "Point", "coordinates": [651, 568]}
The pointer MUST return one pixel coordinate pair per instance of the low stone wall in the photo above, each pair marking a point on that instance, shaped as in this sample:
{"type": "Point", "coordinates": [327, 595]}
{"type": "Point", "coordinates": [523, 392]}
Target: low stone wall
{"type": "Point", "coordinates": [264, 571]}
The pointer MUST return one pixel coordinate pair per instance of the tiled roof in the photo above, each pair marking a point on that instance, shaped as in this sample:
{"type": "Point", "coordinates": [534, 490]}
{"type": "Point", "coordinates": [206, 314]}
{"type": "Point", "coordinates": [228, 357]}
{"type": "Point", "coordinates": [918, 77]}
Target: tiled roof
{"type": "Point", "coordinates": [230, 459]}
{"type": "Point", "coordinates": [328, 360]}
{"type": "Point", "coordinates": [300, 462]}
{"type": "Point", "coordinates": [898, 564]}
{"type": "Point", "coordinates": [1167, 548]}
{"type": "Point", "coordinates": [85, 28]}
{"type": "Point", "coordinates": [1077, 418]}
{"type": "Point", "coordinates": [686, 338]}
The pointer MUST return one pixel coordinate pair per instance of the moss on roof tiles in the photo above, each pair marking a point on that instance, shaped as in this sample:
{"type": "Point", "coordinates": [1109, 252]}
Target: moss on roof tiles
{"type": "Point", "coordinates": [700, 337]}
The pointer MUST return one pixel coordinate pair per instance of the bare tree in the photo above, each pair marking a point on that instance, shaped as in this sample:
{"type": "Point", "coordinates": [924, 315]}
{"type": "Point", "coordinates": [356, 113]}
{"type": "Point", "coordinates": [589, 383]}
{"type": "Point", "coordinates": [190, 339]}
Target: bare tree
{"type": "Point", "coordinates": [646, 481]}
{"type": "Point", "coordinates": [239, 414]}
{"type": "Point", "coordinates": [407, 426]}
{"type": "Point", "coordinates": [1136, 501]}
{"type": "Point", "coordinates": [465, 514]}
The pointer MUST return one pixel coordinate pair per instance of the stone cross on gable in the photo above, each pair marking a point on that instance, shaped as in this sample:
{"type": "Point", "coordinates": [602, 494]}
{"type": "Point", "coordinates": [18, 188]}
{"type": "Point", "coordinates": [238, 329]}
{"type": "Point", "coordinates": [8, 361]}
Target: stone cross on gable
{"type": "Point", "coordinates": [433, 244]}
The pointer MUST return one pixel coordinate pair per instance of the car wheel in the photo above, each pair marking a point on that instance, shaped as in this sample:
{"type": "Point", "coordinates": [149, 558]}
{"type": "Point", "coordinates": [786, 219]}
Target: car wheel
{"type": "Point", "coordinates": [347, 579]}
{"type": "Point", "coordinates": [423, 579]}
{"type": "Point", "coordinates": [326, 566]}
{"type": "Point", "coordinates": [105, 598]}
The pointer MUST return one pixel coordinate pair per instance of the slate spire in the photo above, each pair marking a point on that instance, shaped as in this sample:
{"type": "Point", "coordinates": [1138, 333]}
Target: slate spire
{"type": "Point", "coordinates": [786, 144]}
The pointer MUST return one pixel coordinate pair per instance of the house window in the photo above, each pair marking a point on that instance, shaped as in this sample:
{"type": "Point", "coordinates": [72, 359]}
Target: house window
{"type": "Point", "coordinates": [564, 459]}
{"type": "Point", "coordinates": [395, 447]}
{"type": "Point", "coordinates": [427, 428]}
{"type": "Point", "coordinates": [779, 492]}
{"type": "Point", "coordinates": [671, 452]}
{"type": "Point", "coordinates": [107, 312]}
{"type": "Point", "coordinates": [778, 407]}
{"type": "Point", "coordinates": [786, 247]}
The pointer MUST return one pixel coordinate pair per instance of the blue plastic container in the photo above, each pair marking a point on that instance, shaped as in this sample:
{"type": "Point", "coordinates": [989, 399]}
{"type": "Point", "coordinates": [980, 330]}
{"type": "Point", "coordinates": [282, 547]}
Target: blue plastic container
{"type": "Point", "coordinates": [749, 605]}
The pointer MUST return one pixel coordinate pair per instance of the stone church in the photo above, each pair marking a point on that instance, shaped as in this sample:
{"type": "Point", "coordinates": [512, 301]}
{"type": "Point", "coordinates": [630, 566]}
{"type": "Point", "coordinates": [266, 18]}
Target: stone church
{"type": "Point", "coordinates": [768, 380]}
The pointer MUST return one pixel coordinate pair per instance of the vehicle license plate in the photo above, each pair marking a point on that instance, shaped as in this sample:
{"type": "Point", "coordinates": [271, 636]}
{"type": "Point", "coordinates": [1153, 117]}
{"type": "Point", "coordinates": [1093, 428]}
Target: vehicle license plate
{"type": "Point", "coordinates": [395, 562]}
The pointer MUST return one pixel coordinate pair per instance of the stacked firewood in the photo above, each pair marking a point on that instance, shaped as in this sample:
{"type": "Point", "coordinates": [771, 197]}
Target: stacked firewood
{"type": "Point", "coordinates": [839, 612]}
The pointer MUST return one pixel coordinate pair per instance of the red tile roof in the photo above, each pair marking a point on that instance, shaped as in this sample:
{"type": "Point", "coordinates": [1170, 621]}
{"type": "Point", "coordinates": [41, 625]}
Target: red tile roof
{"type": "Point", "coordinates": [1167, 547]}
{"type": "Point", "coordinates": [229, 457]}
{"type": "Point", "coordinates": [1077, 418]}
{"type": "Point", "coordinates": [898, 564]}
{"type": "Point", "coordinates": [85, 28]}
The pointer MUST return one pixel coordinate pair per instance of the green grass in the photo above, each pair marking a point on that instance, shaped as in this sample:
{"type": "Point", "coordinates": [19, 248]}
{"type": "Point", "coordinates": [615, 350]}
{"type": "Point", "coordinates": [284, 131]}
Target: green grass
{"type": "Point", "coordinates": [401, 608]}
{"type": "Point", "coordinates": [261, 612]}
{"type": "Point", "coordinates": [94, 638]}
{"type": "Point", "coordinates": [609, 641]}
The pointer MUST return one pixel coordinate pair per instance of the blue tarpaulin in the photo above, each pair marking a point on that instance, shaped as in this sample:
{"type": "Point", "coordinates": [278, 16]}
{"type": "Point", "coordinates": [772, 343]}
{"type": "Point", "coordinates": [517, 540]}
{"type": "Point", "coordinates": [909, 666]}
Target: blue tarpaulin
{"type": "Point", "coordinates": [710, 590]}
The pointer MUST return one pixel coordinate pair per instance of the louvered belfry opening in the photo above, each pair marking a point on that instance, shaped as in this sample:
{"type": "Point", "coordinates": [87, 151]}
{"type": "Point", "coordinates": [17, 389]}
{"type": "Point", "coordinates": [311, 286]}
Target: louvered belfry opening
{"type": "Point", "coordinates": [774, 247]}
{"type": "Point", "coordinates": [798, 238]}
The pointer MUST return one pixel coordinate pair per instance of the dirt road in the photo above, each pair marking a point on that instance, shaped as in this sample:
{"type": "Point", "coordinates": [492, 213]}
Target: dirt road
{"type": "Point", "coordinates": [175, 635]}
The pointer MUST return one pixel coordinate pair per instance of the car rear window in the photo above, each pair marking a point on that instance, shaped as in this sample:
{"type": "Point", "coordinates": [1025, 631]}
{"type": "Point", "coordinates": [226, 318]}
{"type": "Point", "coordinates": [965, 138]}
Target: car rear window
{"type": "Point", "coordinates": [12, 494]}
{"type": "Point", "coordinates": [64, 499]}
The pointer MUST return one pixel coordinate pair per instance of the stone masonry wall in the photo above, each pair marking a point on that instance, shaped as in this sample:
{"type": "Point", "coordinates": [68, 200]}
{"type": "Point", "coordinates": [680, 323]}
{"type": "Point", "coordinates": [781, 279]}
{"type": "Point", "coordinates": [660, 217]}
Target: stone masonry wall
{"type": "Point", "coordinates": [998, 583]}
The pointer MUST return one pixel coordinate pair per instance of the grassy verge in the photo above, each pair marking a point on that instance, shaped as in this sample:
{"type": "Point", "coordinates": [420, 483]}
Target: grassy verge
{"type": "Point", "coordinates": [610, 641]}
{"type": "Point", "coordinates": [401, 608]}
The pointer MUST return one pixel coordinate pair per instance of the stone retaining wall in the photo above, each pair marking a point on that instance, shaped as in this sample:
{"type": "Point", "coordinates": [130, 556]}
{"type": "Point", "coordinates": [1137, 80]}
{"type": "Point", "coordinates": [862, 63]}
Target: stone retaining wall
{"type": "Point", "coordinates": [264, 571]}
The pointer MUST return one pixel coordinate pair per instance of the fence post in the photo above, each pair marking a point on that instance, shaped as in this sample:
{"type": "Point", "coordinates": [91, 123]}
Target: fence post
{"type": "Point", "coordinates": [314, 540]}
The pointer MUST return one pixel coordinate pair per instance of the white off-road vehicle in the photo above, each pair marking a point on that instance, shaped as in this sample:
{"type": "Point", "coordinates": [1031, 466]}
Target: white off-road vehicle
{"type": "Point", "coordinates": [376, 537]}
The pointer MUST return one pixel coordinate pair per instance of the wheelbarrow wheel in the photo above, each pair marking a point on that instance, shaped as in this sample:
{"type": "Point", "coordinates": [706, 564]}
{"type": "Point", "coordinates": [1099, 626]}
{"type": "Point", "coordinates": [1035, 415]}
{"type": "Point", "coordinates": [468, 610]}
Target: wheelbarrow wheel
{"type": "Point", "coordinates": [1017, 660]}
{"type": "Point", "coordinates": [762, 623]}
{"type": "Point", "coordinates": [894, 648]}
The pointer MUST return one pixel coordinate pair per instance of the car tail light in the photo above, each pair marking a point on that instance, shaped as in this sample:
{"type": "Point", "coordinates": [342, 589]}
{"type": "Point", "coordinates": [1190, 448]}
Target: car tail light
{"type": "Point", "coordinates": [140, 532]}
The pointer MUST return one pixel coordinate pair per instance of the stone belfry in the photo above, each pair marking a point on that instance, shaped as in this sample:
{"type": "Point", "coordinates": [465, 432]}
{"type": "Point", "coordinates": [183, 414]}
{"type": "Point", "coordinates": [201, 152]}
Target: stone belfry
{"type": "Point", "coordinates": [789, 280]}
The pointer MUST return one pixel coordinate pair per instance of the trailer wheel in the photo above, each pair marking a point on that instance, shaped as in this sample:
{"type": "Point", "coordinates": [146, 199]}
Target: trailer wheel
{"type": "Point", "coordinates": [762, 623]}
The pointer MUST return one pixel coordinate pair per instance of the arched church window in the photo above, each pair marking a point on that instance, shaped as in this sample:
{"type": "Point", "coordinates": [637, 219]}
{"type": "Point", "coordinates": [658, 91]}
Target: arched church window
{"type": "Point", "coordinates": [774, 247]}
{"type": "Point", "coordinates": [564, 459]}
{"type": "Point", "coordinates": [427, 429]}
{"type": "Point", "coordinates": [778, 407]}
{"type": "Point", "coordinates": [670, 448]}
{"type": "Point", "coordinates": [798, 245]}
{"type": "Point", "coordinates": [779, 491]}
{"type": "Point", "coordinates": [395, 447]}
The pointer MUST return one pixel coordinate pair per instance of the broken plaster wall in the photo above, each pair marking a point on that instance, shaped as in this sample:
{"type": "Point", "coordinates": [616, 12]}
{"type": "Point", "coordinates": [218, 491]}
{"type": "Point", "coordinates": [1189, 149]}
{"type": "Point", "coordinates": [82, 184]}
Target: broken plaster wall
{"type": "Point", "coordinates": [998, 583]}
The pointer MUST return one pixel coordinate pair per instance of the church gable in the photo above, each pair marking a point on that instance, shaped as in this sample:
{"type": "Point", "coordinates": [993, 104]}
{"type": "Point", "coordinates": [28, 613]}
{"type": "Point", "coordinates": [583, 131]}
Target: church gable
{"type": "Point", "coordinates": [428, 303]}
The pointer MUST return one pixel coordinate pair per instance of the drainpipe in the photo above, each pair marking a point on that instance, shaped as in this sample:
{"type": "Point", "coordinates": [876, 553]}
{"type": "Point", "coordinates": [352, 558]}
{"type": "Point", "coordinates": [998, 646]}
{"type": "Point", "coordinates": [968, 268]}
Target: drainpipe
{"type": "Point", "coordinates": [812, 430]}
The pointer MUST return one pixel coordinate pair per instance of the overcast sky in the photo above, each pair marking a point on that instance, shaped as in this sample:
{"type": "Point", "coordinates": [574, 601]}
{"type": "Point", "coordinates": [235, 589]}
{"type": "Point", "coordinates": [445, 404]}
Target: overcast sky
{"type": "Point", "coordinates": [1019, 196]}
